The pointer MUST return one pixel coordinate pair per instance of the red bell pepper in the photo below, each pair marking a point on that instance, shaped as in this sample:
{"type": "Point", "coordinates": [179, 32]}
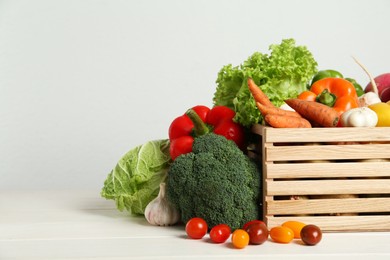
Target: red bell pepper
{"type": "Point", "coordinates": [200, 120]}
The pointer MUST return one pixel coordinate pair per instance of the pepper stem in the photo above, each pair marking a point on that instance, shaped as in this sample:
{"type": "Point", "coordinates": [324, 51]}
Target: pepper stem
{"type": "Point", "coordinates": [326, 98]}
{"type": "Point", "coordinates": [200, 127]}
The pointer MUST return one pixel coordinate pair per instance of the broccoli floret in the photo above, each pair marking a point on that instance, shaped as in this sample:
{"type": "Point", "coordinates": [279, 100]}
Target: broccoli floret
{"type": "Point", "coordinates": [216, 182]}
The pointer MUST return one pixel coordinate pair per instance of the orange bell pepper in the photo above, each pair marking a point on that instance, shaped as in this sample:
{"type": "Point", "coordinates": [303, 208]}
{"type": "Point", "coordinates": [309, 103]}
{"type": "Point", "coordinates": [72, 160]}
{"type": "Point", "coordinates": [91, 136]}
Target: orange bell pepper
{"type": "Point", "coordinates": [334, 92]}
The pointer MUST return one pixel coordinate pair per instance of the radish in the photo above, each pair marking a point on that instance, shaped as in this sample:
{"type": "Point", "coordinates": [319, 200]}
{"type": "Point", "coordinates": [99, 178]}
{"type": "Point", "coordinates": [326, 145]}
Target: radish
{"type": "Point", "coordinates": [383, 84]}
{"type": "Point", "coordinates": [372, 96]}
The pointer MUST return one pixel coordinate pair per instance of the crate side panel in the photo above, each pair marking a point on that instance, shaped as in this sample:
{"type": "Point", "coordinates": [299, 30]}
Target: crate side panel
{"type": "Point", "coordinates": [317, 164]}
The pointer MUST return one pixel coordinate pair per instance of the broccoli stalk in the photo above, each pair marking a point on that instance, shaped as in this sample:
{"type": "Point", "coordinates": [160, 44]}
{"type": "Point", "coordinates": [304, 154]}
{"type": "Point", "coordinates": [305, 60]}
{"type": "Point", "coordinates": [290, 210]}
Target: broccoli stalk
{"type": "Point", "coordinates": [216, 182]}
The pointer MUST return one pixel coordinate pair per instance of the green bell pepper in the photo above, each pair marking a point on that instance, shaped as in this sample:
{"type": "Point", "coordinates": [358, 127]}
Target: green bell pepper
{"type": "Point", "coordinates": [358, 88]}
{"type": "Point", "coordinates": [322, 74]}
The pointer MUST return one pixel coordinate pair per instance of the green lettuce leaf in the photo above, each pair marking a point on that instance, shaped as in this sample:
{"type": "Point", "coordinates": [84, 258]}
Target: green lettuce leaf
{"type": "Point", "coordinates": [136, 178]}
{"type": "Point", "coordinates": [282, 74]}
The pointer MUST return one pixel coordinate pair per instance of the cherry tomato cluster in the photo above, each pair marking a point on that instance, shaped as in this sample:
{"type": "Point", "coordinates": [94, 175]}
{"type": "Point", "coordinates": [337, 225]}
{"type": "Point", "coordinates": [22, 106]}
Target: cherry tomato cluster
{"type": "Point", "coordinates": [254, 232]}
{"type": "Point", "coordinates": [309, 234]}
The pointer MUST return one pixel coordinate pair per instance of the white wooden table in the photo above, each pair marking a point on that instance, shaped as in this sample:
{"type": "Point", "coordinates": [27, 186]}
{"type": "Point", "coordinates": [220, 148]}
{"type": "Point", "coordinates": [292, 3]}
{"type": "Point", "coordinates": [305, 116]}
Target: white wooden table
{"type": "Point", "coordinates": [81, 225]}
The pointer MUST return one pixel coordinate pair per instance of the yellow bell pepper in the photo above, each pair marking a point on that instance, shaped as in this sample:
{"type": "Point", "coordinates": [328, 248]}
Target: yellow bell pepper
{"type": "Point", "coordinates": [383, 111]}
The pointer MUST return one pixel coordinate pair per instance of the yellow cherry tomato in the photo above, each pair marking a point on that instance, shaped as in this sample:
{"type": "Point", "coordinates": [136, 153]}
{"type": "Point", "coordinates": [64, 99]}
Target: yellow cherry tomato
{"type": "Point", "coordinates": [383, 112]}
{"type": "Point", "coordinates": [295, 226]}
{"type": "Point", "coordinates": [240, 238]}
{"type": "Point", "coordinates": [281, 234]}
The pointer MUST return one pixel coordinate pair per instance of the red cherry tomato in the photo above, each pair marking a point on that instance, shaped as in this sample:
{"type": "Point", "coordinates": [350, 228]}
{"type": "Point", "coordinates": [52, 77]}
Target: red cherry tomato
{"type": "Point", "coordinates": [311, 235]}
{"type": "Point", "coordinates": [220, 233]}
{"type": "Point", "coordinates": [258, 233]}
{"type": "Point", "coordinates": [281, 234]}
{"type": "Point", "coordinates": [196, 228]}
{"type": "Point", "coordinates": [247, 224]}
{"type": "Point", "coordinates": [240, 238]}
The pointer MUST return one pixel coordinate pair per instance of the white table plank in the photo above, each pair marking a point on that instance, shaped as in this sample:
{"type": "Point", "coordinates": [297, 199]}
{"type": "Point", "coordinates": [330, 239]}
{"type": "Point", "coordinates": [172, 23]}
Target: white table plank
{"type": "Point", "coordinates": [81, 225]}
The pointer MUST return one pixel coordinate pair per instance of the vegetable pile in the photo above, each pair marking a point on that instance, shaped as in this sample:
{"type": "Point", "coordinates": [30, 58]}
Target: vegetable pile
{"type": "Point", "coordinates": [282, 74]}
{"type": "Point", "coordinates": [202, 174]}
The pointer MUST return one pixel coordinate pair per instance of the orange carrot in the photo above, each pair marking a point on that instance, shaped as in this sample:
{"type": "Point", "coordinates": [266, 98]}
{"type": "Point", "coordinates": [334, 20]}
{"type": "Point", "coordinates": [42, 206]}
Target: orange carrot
{"type": "Point", "coordinates": [265, 110]}
{"type": "Point", "coordinates": [315, 112]}
{"type": "Point", "coordinates": [279, 121]}
{"type": "Point", "coordinates": [258, 94]}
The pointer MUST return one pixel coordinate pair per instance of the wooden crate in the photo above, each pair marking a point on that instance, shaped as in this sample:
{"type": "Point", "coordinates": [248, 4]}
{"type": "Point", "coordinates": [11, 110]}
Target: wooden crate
{"type": "Point", "coordinates": [336, 178]}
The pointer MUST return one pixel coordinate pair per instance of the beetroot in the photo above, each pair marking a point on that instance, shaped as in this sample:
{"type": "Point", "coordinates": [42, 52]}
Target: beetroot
{"type": "Point", "coordinates": [383, 84]}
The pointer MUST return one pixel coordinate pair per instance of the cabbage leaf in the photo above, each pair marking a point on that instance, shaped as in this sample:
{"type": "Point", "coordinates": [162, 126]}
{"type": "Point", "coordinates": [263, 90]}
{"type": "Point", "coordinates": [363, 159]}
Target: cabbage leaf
{"type": "Point", "coordinates": [136, 178]}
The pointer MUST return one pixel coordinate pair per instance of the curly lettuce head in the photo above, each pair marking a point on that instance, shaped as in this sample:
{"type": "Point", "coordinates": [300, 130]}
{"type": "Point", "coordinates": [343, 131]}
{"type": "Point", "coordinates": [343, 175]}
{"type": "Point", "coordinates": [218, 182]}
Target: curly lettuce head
{"type": "Point", "coordinates": [282, 74]}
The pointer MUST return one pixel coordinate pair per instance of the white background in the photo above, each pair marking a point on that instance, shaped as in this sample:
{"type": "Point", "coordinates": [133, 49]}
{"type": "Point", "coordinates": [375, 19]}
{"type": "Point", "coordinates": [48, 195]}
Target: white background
{"type": "Point", "coordinates": [82, 82]}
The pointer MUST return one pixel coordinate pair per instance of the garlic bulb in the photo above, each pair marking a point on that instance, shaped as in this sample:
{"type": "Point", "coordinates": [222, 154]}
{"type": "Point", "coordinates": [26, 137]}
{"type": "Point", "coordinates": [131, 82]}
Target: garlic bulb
{"type": "Point", "coordinates": [160, 212]}
{"type": "Point", "coordinates": [369, 98]}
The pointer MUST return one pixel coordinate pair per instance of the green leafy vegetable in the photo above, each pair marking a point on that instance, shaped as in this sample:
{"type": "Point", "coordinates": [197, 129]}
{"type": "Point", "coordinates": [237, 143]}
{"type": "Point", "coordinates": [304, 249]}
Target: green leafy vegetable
{"type": "Point", "coordinates": [136, 178]}
{"type": "Point", "coordinates": [283, 74]}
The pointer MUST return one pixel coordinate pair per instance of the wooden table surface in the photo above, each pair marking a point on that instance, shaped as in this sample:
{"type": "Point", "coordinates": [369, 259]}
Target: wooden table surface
{"type": "Point", "coordinates": [82, 225]}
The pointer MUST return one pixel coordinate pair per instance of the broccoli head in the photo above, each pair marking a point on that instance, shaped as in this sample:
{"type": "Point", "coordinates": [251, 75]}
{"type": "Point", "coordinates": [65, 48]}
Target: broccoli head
{"type": "Point", "coordinates": [216, 182]}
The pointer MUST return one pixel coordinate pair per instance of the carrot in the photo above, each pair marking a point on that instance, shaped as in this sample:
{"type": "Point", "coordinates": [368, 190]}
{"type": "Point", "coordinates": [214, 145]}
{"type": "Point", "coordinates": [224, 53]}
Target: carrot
{"type": "Point", "coordinates": [280, 121]}
{"type": "Point", "coordinates": [265, 110]}
{"type": "Point", "coordinates": [258, 94]}
{"type": "Point", "coordinates": [315, 112]}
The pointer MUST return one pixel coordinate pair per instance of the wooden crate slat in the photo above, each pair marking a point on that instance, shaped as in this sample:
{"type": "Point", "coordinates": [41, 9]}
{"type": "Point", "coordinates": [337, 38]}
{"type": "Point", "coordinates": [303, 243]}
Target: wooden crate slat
{"type": "Point", "coordinates": [327, 152]}
{"type": "Point", "coordinates": [338, 223]}
{"type": "Point", "coordinates": [322, 134]}
{"type": "Point", "coordinates": [318, 187]}
{"type": "Point", "coordinates": [327, 170]}
{"type": "Point", "coordinates": [323, 206]}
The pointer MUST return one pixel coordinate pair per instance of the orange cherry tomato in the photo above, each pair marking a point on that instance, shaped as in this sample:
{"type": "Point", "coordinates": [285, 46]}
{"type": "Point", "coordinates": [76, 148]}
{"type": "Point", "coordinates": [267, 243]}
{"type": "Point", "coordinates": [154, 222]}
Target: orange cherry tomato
{"type": "Point", "coordinates": [307, 95]}
{"type": "Point", "coordinates": [295, 226]}
{"type": "Point", "coordinates": [281, 234]}
{"type": "Point", "coordinates": [240, 238]}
